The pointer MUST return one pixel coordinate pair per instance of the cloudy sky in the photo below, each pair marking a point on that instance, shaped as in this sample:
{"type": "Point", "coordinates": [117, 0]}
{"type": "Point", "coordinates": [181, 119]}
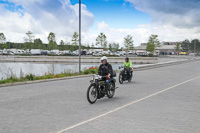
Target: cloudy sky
{"type": "Point", "coordinates": [171, 20]}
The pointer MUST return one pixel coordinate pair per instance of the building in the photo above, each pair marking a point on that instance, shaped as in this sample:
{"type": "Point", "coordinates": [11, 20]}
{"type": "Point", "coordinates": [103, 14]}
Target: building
{"type": "Point", "coordinates": [166, 48]}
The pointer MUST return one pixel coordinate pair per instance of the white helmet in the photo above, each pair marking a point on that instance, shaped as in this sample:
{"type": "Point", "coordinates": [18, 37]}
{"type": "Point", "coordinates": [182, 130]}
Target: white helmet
{"type": "Point", "coordinates": [104, 58]}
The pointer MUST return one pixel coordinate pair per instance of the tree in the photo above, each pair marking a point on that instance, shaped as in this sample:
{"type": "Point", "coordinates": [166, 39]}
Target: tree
{"type": "Point", "coordinates": [128, 43]}
{"type": "Point", "coordinates": [177, 47]}
{"type": "Point", "coordinates": [75, 38]}
{"type": "Point", "coordinates": [62, 45]}
{"type": "Point", "coordinates": [52, 41]}
{"type": "Point", "coordinates": [2, 38]}
{"type": "Point", "coordinates": [28, 40]}
{"type": "Point", "coordinates": [195, 46]}
{"type": "Point", "coordinates": [38, 44]}
{"type": "Point", "coordinates": [113, 47]}
{"type": "Point", "coordinates": [152, 43]}
{"type": "Point", "coordinates": [101, 39]}
{"type": "Point", "coordinates": [185, 45]}
{"type": "Point", "coordinates": [92, 45]}
{"type": "Point", "coordinates": [87, 46]}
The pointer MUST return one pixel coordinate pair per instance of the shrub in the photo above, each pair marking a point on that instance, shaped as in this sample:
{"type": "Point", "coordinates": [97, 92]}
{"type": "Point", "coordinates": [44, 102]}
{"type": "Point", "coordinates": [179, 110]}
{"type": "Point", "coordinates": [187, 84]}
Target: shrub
{"type": "Point", "coordinates": [90, 70]}
{"type": "Point", "coordinates": [30, 77]}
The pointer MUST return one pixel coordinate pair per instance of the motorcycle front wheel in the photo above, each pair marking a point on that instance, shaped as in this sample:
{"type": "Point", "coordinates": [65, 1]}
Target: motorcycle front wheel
{"type": "Point", "coordinates": [92, 94]}
{"type": "Point", "coordinates": [121, 78]}
{"type": "Point", "coordinates": [111, 90]}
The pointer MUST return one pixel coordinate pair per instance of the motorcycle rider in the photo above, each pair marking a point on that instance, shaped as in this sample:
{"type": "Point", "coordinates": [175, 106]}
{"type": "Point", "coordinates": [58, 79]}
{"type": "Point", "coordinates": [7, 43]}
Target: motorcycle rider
{"type": "Point", "coordinates": [128, 63]}
{"type": "Point", "coordinates": [105, 69]}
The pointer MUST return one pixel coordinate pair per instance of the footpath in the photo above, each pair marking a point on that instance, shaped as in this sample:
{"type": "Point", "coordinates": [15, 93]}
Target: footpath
{"type": "Point", "coordinates": [168, 62]}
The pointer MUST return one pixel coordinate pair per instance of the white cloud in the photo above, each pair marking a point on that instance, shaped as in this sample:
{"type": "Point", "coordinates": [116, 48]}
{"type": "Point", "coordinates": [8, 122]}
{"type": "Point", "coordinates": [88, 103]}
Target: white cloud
{"type": "Point", "coordinates": [42, 17]}
{"type": "Point", "coordinates": [172, 20]}
{"type": "Point", "coordinates": [142, 33]}
{"type": "Point", "coordinates": [177, 13]}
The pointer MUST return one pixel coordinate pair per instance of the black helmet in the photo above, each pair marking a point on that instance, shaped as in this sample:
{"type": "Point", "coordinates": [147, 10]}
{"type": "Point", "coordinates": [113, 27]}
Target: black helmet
{"type": "Point", "coordinates": [127, 58]}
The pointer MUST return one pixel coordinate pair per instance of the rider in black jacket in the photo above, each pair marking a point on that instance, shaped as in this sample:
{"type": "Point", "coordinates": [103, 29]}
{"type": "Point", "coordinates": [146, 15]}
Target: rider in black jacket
{"type": "Point", "coordinates": [105, 69]}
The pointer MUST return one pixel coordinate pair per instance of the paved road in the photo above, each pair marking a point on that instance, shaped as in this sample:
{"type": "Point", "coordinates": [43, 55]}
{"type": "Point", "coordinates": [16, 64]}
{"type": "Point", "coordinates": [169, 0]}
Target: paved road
{"type": "Point", "coordinates": [161, 100]}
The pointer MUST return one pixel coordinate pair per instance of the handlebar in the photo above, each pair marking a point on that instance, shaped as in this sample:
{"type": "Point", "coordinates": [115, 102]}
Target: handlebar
{"type": "Point", "coordinates": [98, 76]}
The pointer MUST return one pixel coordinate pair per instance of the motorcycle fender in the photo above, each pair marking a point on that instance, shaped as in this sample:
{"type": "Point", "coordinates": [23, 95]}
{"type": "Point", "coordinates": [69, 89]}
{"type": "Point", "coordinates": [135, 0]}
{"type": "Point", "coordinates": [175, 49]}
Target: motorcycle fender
{"type": "Point", "coordinates": [92, 81]}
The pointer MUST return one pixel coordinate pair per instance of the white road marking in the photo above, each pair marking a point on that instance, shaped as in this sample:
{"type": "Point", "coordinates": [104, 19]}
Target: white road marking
{"type": "Point", "coordinates": [124, 106]}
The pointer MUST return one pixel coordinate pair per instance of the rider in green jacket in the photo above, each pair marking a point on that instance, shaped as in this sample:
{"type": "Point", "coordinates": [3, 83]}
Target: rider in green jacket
{"type": "Point", "coordinates": [127, 63]}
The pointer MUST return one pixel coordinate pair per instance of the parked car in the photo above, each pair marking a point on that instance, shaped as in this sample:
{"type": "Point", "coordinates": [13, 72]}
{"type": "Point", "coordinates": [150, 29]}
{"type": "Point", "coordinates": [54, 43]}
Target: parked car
{"type": "Point", "coordinates": [74, 53]}
{"type": "Point", "coordinates": [97, 54]}
{"type": "Point", "coordinates": [66, 52]}
{"type": "Point", "coordinates": [83, 52]}
{"type": "Point", "coordinates": [183, 53]}
{"type": "Point", "coordinates": [10, 52]}
{"type": "Point", "coordinates": [122, 52]}
{"type": "Point", "coordinates": [36, 51]}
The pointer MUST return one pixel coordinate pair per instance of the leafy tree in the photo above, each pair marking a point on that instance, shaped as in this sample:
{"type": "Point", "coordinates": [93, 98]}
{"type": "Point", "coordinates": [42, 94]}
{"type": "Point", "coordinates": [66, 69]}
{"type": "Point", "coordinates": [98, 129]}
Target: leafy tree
{"type": "Point", "coordinates": [113, 47]}
{"type": "Point", "coordinates": [2, 38]}
{"type": "Point", "coordinates": [152, 43]}
{"type": "Point", "coordinates": [101, 39]}
{"type": "Point", "coordinates": [195, 46]}
{"type": "Point", "coordinates": [62, 45]}
{"type": "Point", "coordinates": [52, 41]}
{"type": "Point", "coordinates": [150, 47]}
{"type": "Point", "coordinates": [92, 45]}
{"type": "Point", "coordinates": [185, 45]}
{"type": "Point", "coordinates": [38, 44]}
{"type": "Point", "coordinates": [177, 47]}
{"type": "Point", "coordinates": [29, 37]}
{"type": "Point", "coordinates": [75, 38]}
{"type": "Point", "coordinates": [128, 42]}
{"type": "Point", "coordinates": [87, 46]}
{"type": "Point", "coordinates": [29, 40]}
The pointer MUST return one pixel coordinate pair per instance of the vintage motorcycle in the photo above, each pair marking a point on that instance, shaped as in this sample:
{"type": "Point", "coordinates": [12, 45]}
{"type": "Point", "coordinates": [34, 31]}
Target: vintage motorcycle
{"type": "Point", "coordinates": [125, 75]}
{"type": "Point", "coordinates": [96, 89]}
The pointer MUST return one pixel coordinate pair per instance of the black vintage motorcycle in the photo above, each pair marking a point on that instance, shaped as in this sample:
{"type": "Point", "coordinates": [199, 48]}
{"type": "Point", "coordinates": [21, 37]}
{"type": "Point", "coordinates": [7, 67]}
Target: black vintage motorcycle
{"type": "Point", "coordinates": [96, 89]}
{"type": "Point", "coordinates": [125, 74]}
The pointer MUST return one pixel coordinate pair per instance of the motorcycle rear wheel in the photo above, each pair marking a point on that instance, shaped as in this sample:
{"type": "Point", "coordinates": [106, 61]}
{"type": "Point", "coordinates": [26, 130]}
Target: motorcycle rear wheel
{"type": "Point", "coordinates": [130, 78]}
{"type": "Point", "coordinates": [92, 94]}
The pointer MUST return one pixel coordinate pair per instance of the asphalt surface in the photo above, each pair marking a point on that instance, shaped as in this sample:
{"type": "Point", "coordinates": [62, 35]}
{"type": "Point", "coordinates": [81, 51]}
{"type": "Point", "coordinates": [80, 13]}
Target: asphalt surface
{"type": "Point", "coordinates": [160, 100]}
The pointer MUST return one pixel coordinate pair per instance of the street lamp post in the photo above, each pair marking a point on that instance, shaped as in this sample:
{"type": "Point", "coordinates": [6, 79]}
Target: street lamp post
{"type": "Point", "coordinates": [188, 48]}
{"type": "Point", "coordinates": [79, 37]}
{"type": "Point", "coordinates": [194, 45]}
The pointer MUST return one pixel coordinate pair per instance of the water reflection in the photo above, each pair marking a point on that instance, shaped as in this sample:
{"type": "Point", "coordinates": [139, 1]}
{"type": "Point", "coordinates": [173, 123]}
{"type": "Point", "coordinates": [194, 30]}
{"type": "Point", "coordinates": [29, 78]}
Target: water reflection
{"type": "Point", "coordinates": [39, 69]}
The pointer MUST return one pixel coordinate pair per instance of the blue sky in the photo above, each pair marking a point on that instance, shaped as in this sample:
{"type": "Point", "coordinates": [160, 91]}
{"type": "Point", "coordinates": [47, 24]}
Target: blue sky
{"type": "Point", "coordinates": [171, 20]}
{"type": "Point", "coordinates": [116, 13]}
{"type": "Point", "coordinates": [11, 6]}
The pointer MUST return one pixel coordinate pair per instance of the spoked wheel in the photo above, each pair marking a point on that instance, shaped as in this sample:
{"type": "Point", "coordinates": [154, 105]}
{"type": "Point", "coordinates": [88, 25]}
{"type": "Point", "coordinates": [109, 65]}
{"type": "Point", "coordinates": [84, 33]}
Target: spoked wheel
{"type": "Point", "coordinates": [92, 93]}
{"type": "Point", "coordinates": [120, 78]}
{"type": "Point", "coordinates": [130, 78]}
{"type": "Point", "coordinates": [111, 90]}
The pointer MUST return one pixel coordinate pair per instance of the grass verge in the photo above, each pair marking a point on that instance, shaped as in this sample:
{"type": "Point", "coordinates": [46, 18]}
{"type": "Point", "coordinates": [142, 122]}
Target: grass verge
{"type": "Point", "coordinates": [31, 77]}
